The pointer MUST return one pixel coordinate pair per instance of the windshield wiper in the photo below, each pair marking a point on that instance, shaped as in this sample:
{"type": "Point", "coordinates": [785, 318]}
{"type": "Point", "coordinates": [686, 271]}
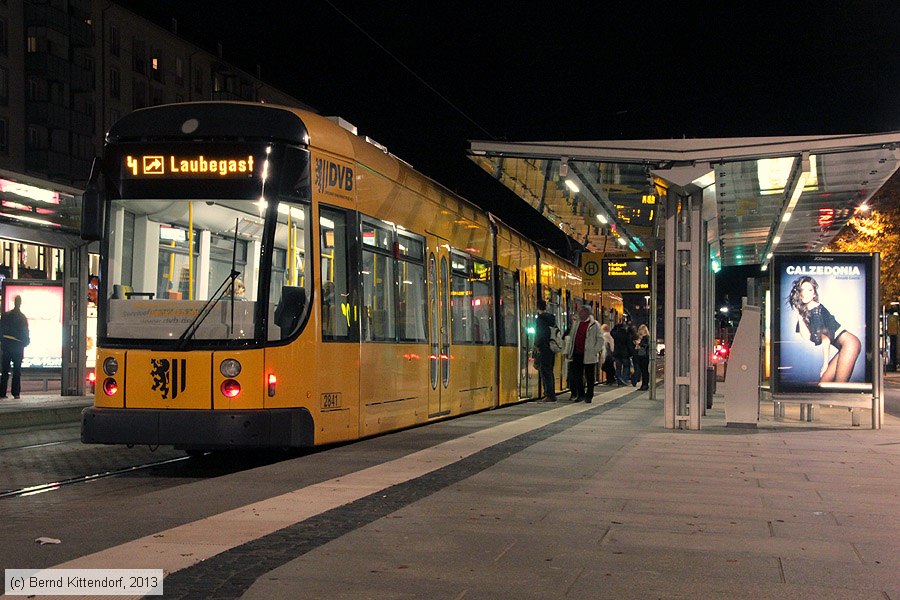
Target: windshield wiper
{"type": "Point", "coordinates": [207, 308]}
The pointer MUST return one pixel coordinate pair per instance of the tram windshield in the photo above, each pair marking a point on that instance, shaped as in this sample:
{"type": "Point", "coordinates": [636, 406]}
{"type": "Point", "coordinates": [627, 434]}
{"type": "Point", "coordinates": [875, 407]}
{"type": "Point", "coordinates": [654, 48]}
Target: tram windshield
{"type": "Point", "coordinates": [171, 259]}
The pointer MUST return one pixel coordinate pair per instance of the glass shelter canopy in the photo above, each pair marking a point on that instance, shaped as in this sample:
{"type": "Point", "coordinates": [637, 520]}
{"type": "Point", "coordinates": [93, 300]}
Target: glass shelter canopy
{"type": "Point", "coordinates": [760, 195]}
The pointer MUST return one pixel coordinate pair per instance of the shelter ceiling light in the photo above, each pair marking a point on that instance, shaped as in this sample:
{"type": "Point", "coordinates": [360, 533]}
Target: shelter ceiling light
{"type": "Point", "coordinates": [622, 241]}
{"type": "Point", "coordinates": [602, 218]}
{"type": "Point", "coordinates": [572, 185]}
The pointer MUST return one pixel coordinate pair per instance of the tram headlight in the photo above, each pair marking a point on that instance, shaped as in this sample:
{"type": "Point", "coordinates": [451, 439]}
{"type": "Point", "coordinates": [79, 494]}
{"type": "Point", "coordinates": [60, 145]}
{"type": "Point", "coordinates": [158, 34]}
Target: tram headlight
{"type": "Point", "coordinates": [110, 366]}
{"type": "Point", "coordinates": [230, 388]}
{"type": "Point", "coordinates": [110, 386]}
{"type": "Point", "coordinates": [230, 368]}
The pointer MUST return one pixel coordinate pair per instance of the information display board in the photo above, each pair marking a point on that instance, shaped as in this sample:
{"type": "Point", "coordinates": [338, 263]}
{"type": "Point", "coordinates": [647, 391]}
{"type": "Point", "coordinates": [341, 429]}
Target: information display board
{"type": "Point", "coordinates": [629, 274]}
{"type": "Point", "coordinates": [823, 322]}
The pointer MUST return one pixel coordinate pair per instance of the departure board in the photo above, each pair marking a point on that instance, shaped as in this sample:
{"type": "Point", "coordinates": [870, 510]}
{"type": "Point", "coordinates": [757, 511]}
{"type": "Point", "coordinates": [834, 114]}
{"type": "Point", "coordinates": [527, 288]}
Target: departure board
{"type": "Point", "coordinates": [630, 274]}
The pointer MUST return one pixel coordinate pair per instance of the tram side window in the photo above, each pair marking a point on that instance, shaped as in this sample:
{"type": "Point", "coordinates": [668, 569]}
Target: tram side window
{"type": "Point", "coordinates": [508, 313]}
{"type": "Point", "coordinates": [338, 310]}
{"type": "Point", "coordinates": [377, 284]}
{"type": "Point", "coordinates": [411, 276]}
{"type": "Point", "coordinates": [471, 301]}
{"type": "Point", "coordinates": [289, 287]}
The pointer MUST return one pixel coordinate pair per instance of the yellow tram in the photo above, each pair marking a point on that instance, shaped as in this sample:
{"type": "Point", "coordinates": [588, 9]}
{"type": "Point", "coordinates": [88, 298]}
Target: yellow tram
{"type": "Point", "coordinates": [271, 279]}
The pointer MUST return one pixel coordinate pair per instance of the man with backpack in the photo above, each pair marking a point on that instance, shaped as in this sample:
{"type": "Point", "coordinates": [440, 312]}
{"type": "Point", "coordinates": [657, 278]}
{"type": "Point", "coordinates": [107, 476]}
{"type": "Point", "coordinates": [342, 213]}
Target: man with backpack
{"type": "Point", "coordinates": [545, 332]}
{"type": "Point", "coordinates": [622, 351]}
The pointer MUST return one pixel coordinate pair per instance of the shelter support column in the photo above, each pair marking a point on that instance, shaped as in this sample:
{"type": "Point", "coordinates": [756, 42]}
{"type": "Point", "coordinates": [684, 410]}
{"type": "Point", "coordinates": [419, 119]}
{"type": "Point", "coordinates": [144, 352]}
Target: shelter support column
{"type": "Point", "coordinates": [686, 308]}
{"type": "Point", "coordinates": [74, 350]}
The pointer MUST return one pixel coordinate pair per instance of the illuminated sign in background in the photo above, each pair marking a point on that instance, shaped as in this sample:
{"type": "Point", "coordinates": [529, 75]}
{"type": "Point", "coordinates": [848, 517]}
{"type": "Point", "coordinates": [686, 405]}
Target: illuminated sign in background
{"type": "Point", "coordinates": [42, 305]}
{"type": "Point", "coordinates": [188, 166]}
{"type": "Point", "coordinates": [845, 287]}
{"type": "Point", "coordinates": [625, 274]}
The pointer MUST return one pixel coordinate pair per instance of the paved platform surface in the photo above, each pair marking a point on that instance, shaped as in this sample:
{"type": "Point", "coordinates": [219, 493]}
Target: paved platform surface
{"type": "Point", "coordinates": [564, 500]}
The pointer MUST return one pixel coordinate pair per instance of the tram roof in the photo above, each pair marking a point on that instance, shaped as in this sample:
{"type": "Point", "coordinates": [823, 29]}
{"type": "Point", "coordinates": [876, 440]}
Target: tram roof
{"type": "Point", "coordinates": [748, 186]}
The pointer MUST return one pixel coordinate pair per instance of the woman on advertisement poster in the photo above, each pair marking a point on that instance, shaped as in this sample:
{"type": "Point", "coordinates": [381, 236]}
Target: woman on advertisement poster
{"type": "Point", "coordinates": [819, 326]}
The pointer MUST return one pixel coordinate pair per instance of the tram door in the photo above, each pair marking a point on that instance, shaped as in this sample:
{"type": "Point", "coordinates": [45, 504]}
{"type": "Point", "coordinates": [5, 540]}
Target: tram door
{"type": "Point", "coordinates": [438, 325]}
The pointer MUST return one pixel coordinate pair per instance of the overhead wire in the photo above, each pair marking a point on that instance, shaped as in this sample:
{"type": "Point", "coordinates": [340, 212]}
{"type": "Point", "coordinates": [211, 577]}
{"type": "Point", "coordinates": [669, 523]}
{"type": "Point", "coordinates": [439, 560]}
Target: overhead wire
{"type": "Point", "coordinates": [411, 71]}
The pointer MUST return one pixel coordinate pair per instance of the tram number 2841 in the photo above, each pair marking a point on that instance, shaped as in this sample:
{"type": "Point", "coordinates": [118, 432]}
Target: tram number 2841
{"type": "Point", "coordinates": [331, 400]}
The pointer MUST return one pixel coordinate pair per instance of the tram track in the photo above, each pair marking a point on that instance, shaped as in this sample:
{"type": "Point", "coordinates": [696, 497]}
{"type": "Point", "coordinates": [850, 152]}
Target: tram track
{"type": "Point", "coordinates": [40, 445]}
{"type": "Point", "coordinates": [55, 485]}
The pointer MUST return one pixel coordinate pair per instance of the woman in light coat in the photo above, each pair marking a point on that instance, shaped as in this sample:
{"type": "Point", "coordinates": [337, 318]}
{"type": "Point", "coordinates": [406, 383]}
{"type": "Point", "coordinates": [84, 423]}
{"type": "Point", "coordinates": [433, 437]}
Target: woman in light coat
{"type": "Point", "coordinates": [583, 350]}
{"type": "Point", "coordinates": [607, 358]}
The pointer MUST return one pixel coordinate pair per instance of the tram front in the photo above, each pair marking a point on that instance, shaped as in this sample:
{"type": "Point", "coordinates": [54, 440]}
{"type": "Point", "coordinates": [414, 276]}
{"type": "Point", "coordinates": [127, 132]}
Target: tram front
{"type": "Point", "coordinates": [204, 220]}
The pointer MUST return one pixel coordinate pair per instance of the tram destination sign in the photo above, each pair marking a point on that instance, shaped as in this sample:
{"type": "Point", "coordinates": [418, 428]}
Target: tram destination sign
{"type": "Point", "coordinates": [190, 166]}
{"type": "Point", "coordinates": [627, 274]}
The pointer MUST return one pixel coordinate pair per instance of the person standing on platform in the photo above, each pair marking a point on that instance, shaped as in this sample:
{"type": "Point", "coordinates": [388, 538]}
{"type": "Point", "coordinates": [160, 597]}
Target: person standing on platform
{"type": "Point", "coordinates": [544, 356]}
{"type": "Point", "coordinates": [622, 352]}
{"type": "Point", "coordinates": [642, 355]}
{"type": "Point", "coordinates": [13, 339]}
{"type": "Point", "coordinates": [587, 344]}
{"type": "Point", "coordinates": [607, 362]}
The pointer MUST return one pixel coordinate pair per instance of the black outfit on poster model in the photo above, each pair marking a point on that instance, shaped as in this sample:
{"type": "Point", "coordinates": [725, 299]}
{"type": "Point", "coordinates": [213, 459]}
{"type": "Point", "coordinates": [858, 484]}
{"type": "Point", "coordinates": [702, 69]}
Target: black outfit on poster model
{"type": "Point", "coordinates": [816, 323]}
{"type": "Point", "coordinates": [13, 339]}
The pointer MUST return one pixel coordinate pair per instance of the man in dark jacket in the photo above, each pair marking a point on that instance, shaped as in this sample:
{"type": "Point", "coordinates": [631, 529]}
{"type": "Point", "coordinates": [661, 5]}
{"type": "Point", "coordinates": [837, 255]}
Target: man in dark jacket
{"type": "Point", "coordinates": [13, 339]}
{"type": "Point", "coordinates": [545, 358]}
{"type": "Point", "coordinates": [622, 352]}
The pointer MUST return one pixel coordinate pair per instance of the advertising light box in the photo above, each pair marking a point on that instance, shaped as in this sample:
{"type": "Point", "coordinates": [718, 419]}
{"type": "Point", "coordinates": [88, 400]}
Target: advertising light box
{"type": "Point", "coordinates": [42, 305]}
{"type": "Point", "coordinates": [823, 320]}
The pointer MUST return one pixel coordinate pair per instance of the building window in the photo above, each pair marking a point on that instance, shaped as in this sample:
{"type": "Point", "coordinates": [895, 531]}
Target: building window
{"type": "Point", "coordinates": [139, 57]}
{"type": "Point", "coordinates": [179, 70]}
{"type": "Point", "coordinates": [33, 138]}
{"type": "Point", "coordinates": [139, 95]}
{"type": "Point", "coordinates": [4, 137]}
{"type": "Point", "coordinates": [114, 83]}
{"type": "Point", "coordinates": [31, 44]}
{"type": "Point", "coordinates": [198, 80]}
{"type": "Point", "coordinates": [114, 42]}
{"type": "Point", "coordinates": [34, 89]}
{"type": "Point", "coordinates": [3, 37]}
{"type": "Point", "coordinates": [156, 96]}
{"type": "Point", "coordinates": [156, 65]}
{"type": "Point", "coordinates": [179, 98]}
{"type": "Point", "coordinates": [4, 86]}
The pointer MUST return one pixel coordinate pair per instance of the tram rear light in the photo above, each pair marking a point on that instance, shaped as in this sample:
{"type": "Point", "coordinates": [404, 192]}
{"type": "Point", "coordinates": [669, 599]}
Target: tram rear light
{"type": "Point", "coordinates": [272, 380]}
{"type": "Point", "coordinates": [91, 378]}
{"type": "Point", "coordinates": [230, 388]}
{"type": "Point", "coordinates": [110, 387]}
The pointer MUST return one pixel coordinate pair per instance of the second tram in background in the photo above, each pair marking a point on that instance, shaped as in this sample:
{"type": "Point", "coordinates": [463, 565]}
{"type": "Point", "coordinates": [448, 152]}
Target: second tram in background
{"type": "Point", "coordinates": [269, 278]}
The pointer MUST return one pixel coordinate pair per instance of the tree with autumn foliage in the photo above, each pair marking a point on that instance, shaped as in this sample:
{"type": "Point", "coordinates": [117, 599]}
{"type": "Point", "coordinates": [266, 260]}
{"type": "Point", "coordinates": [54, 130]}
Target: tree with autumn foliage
{"type": "Point", "coordinates": [877, 230]}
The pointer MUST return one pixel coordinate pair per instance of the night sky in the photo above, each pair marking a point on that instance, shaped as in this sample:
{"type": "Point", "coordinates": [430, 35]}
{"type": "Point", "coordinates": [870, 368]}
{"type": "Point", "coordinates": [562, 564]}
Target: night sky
{"type": "Point", "coordinates": [425, 77]}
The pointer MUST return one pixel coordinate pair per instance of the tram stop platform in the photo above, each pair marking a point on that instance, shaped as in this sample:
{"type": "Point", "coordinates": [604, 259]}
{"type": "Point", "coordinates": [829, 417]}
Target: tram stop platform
{"type": "Point", "coordinates": [536, 500]}
{"type": "Point", "coordinates": [34, 409]}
